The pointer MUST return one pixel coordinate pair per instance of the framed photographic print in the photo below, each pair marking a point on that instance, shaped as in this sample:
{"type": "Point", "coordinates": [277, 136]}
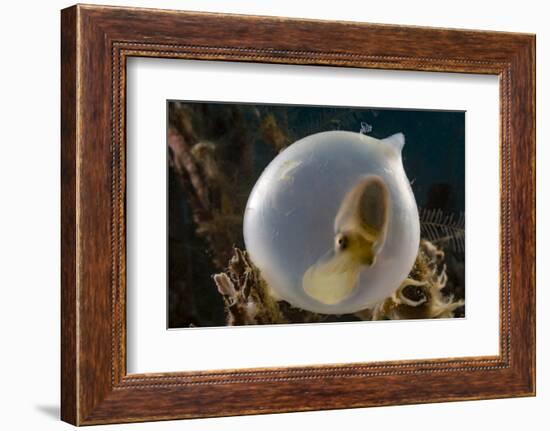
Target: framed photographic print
{"type": "Point", "coordinates": [265, 214]}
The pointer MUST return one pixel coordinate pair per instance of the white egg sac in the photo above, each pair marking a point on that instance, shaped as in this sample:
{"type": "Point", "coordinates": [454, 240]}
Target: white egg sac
{"type": "Point", "coordinates": [298, 234]}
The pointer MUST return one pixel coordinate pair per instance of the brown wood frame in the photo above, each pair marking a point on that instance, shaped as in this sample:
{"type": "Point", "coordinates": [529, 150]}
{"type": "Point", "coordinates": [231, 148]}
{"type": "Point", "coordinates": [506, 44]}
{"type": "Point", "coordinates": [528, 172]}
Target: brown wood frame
{"type": "Point", "coordinates": [95, 43]}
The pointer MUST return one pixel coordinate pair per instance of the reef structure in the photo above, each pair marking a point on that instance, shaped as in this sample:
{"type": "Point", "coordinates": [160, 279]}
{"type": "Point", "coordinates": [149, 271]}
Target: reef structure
{"type": "Point", "coordinates": [248, 300]}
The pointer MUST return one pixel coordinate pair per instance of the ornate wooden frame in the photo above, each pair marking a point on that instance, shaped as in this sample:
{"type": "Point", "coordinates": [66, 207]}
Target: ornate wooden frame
{"type": "Point", "coordinates": [95, 43]}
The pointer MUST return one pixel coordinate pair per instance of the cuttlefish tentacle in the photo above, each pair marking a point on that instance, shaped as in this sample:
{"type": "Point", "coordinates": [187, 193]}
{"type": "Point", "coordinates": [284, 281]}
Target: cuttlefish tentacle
{"type": "Point", "coordinates": [360, 230]}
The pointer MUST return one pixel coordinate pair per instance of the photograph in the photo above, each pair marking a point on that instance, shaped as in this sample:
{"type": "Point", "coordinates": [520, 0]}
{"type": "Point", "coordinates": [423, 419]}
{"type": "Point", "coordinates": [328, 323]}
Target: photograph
{"type": "Point", "coordinates": [298, 214]}
{"type": "Point", "coordinates": [275, 215]}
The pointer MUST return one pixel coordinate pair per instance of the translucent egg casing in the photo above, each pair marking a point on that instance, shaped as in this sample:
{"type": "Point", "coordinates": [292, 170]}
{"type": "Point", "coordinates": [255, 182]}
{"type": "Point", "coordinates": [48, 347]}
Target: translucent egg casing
{"type": "Point", "coordinates": [289, 221]}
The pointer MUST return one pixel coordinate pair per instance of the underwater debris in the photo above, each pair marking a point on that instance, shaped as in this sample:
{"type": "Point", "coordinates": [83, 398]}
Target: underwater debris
{"type": "Point", "coordinates": [273, 133]}
{"type": "Point", "coordinates": [248, 300]}
{"type": "Point", "coordinates": [420, 295]}
{"type": "Point", "coordinates": [365, 128]}
{"type": "Point", "coordinates": [246, 296]}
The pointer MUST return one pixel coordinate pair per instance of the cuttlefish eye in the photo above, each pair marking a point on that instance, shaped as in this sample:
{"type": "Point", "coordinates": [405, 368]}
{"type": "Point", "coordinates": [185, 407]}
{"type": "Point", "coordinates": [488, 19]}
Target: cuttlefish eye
{"type": "Point", "coordinates": [341, 241]}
